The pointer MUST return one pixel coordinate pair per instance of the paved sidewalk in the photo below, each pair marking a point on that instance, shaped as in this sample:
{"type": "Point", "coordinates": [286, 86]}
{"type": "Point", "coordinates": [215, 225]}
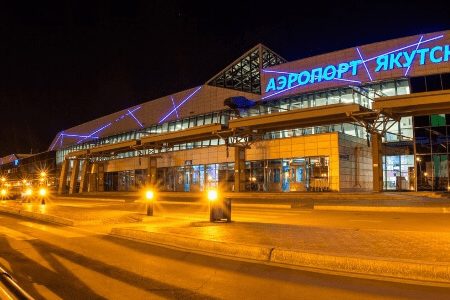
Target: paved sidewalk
{"type": "Point", "coordinates": [414, 245]}
{"type": "Point", "coordinates": [390, 255]}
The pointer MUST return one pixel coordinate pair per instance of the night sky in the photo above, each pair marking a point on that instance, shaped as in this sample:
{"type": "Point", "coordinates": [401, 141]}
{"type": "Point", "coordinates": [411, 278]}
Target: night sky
{"type": "Point", "coordinates": [63, 63]}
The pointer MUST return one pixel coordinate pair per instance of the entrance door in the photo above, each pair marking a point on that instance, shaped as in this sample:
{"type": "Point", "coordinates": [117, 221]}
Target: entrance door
{"type": "Point", "coordinates": [187, 179]}
{"type": "Point", "coordinates": [299, 175]}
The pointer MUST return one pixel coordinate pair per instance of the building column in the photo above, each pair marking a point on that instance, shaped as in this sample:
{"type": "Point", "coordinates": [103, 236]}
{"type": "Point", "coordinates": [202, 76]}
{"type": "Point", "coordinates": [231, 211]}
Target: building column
{"type": "Point", "coordinates": [84, 176]}
{"type": "Point", "coordinates": [100, 177]}
{"type": "Point", "coordinates": [239, 169]}
{"type": "Point", "coordinates": [74, 176]}
{"type": "Point", "coordinates": [92, 184]}
{"type": "Point", "coordinates": [63, 177]}
{"type": "Point", "coordinates": [377, 164]}
{"type": "Point", "coordinates": [152, 170]}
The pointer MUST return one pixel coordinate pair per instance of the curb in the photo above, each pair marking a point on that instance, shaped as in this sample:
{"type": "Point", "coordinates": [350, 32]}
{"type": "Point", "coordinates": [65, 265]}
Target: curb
{"type": "Point", "coordinates": [424, 272]}
{"type": "Point", "coordinates": [410, 209]}
{"type": "Point", "coordinates": [386, 268]}
{"type": "Point", "coordinates": [37, 216]}
{"type": "Point", "coordinates": [228, 249]}
{"type": "Point", "coordinates": [90, 199]}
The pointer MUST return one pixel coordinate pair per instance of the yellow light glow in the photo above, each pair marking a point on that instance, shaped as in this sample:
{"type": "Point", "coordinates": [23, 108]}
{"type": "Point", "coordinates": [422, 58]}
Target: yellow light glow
{"type": "Point", "coordinates": [29, 192]}
{"type": "Point", "coordinates": [149, 195]}
{"type": "Point", "coordinates": [42, 192]}
{"type": "Point", "coordinates": [3, 192]}
{"type": "Point", "coordinates": [43, 174]}
{"type": "Point", "coordinates": [3, 179]}
{"type": "Point", "coordinates": [212, 195]}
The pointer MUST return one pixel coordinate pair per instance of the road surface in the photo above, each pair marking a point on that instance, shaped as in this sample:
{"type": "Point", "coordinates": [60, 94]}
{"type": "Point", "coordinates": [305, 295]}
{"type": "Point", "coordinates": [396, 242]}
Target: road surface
{"type": "Point", "coordinates": [53, 262]}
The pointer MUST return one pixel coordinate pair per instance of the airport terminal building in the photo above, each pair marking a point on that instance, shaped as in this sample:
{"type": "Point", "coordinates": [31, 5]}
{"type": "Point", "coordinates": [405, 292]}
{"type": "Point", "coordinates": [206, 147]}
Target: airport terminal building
{"type": "Point", "coordinates": [366, 118]}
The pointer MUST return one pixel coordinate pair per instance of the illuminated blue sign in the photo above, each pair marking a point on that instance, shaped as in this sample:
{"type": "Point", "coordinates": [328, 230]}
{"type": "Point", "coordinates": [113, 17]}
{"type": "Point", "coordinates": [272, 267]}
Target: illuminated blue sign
{"type": "Point", "coordinates": [404, 59]}
{"type": "Point", "coordinates": [398, 58]}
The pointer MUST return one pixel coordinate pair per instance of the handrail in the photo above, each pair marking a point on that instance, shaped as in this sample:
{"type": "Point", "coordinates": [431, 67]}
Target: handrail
{"type": "Point", "coordinates": [12, 286]}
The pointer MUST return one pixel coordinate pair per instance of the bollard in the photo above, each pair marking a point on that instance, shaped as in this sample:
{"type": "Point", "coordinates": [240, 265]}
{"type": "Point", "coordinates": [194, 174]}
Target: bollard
{"type": "Point", "coordinates": [149, 197]}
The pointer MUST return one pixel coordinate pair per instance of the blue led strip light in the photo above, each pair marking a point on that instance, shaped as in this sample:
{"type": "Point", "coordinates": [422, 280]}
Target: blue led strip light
{"type": "Point", "coordinates": [271, 95]}
{"type": "Point", "coordinates": [61, 136]}
{"type": "Point", "coordinates": [52, 146]}
{"type": "Point", "coordinates": [173, 103]}
{"type": "Point", "coordinates": [181, 103]}
{"type": "Point", "coordinates": [96, 131]}
{"type": "Point", "coordinates": [130, 113]}
{"type": "Point", "coordinates": [406, 47]}
{"type": "Point", "coordinates": [79, 136]}
{"type": "Point", "coordinates": [418, 44]}
{"type": "Point", "coordinates": [364, 63]}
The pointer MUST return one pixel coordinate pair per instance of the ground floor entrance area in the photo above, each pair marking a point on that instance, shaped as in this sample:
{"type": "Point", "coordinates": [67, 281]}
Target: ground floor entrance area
{"type": "Point", "coordinates": [277, 175]}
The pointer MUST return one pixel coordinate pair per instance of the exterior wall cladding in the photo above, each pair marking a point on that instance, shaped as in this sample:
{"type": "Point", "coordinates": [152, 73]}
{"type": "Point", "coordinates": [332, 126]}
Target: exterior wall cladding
{"type": "Point", "coordinates": [349, 159]}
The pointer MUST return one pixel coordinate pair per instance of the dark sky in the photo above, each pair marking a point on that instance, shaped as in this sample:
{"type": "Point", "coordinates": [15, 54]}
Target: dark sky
{"type": "Point", "coordinates": [63, 63]}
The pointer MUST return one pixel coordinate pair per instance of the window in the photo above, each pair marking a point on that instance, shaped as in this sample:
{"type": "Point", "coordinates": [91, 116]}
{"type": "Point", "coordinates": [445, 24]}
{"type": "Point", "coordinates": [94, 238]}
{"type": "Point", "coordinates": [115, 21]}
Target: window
{"type": "Point", "coordinates": [418, 84]}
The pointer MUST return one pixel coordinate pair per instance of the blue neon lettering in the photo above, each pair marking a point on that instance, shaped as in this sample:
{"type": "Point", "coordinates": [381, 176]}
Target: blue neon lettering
{"type": "Point", "coordinates": [270, 85]}
{"type": "Point", "coordinates": [422, 53]}
{"type": "Point", "coordinates": [446, 52]}
{"type": "Point", "coordinates": [394, 60]}
{"type": "Point", "coordinates": [281, 82]}
{"type": "Point", "coordinates": [389, 61]}
{"type": "Point", "coordinates": [342, 68]}
{"type": "Point", "coordinates": [319, 75]}
{"type": "Point", "coordinates": [382, 62]}
{"type": "Point", "coordinates": [354, 65]}
{"type": "Point", "coordinates": [408, 58]}
{"type": "Point", "coordinates": [292, 78]}
{"type": "Point", "coordinates": [433, 57]}
{"type": "Point", "coordinates": [307, 76]}
{"type": "Point", "coordinates": [329, 73]}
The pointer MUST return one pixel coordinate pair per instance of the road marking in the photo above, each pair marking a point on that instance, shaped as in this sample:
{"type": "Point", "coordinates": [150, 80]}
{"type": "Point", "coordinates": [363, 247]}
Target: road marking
{"type": "Point", "coordinates": [371, 221]}
{"type": "Point", "coordinates": [17, 235]}
{"type": "Point", "coordinates": [83, 204]}
{"type": "Point", "coordinates": [5, 293]}
{"type": "Point", "coordinates": [53, 230]}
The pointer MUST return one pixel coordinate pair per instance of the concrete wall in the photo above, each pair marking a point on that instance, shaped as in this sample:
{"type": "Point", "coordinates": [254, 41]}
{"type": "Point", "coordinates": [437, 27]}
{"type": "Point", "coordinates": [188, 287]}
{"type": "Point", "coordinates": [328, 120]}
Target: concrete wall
{"type": "Point", "coordinates": [198, 156]}
{"type": "Point", "coordinates": [132, 163]}
{"type": "Point", "coordinates": [355, 164]}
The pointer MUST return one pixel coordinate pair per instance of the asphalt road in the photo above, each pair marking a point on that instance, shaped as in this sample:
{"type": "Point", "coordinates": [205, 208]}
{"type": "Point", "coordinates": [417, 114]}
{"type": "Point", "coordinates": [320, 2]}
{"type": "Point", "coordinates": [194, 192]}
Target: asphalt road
{"type": "Point", "coordinates": [53, 262]}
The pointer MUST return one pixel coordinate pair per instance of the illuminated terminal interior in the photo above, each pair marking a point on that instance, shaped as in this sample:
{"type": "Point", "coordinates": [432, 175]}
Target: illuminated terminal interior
{"type": "Point", "coordinates": [368, 118]}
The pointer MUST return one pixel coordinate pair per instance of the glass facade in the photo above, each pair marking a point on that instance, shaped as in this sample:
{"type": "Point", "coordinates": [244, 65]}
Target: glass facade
{"type": "Point", "coordinates": [431, 147]}
{"type": "Point", "coordinates": [278, 175]}
{"type": "Point", "coordinates": [398, 172]}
